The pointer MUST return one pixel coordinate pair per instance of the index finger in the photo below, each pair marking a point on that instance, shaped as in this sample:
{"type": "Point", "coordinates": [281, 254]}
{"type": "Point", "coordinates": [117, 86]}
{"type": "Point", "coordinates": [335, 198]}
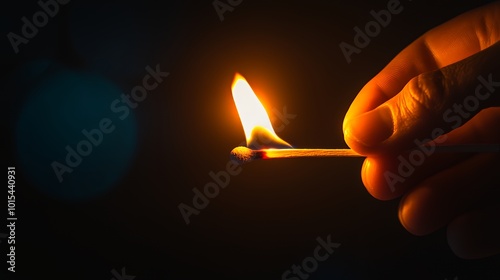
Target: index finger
{"type": "Point", "coordinates": [446, 44]}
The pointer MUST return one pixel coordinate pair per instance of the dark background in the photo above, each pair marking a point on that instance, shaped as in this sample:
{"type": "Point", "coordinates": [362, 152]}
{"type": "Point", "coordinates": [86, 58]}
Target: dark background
{"type": "Point", "coordinates": [119, 207]}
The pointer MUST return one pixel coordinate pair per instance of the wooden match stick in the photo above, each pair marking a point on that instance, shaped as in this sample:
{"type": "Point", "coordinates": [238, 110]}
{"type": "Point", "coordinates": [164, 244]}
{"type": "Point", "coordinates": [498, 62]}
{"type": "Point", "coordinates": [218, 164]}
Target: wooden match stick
{"type": "Point", "coordinates": [243, 155]}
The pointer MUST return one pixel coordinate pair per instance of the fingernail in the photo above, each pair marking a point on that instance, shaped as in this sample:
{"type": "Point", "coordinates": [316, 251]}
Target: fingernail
{"type": "Point", "coordinates": [371, 128]}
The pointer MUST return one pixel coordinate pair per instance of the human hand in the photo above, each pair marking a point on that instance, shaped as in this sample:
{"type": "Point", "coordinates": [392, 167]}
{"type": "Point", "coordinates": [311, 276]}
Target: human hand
{"type": "Point", "coordinates": [443, 87]}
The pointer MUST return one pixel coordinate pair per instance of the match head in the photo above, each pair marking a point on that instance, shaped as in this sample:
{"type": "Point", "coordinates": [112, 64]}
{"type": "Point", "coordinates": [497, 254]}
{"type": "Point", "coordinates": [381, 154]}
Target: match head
{"type": "Point", "coordinates": [241, 155]}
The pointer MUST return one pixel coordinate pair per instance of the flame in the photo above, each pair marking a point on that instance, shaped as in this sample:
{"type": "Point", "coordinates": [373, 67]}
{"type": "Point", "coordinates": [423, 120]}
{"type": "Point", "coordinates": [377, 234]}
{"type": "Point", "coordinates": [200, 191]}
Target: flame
{"type": "Point", "coordinates": [258, 129]}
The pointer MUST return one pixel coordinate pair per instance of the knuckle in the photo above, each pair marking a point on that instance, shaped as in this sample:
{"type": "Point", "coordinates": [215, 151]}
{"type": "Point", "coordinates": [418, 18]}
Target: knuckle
{"type": "Point", "coordinates": [428, 92]}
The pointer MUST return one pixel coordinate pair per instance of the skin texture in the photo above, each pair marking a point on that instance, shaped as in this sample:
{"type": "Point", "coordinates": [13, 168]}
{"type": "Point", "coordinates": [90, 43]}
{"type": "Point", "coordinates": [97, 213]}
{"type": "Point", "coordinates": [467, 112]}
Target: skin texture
{"type": "Point", "coordinates": [407, 101]}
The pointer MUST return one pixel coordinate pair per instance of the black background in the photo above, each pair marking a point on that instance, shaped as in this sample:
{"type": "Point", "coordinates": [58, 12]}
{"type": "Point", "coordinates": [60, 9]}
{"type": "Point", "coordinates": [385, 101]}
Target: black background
{"type": "Point", "coordinates": [269, 216]}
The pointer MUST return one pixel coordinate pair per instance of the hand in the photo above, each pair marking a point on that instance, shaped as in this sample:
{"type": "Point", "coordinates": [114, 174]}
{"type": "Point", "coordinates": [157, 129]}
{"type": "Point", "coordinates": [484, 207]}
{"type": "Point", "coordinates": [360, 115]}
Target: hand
{"type": "Point", "coordinates": [443, 87]}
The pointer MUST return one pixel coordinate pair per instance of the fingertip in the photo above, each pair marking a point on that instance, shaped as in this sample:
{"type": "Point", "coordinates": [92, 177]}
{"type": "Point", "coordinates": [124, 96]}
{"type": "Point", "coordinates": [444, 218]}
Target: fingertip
{"type": "Point", "coordinates": [369, 129]}
{"type": "Point", "coordinates": [408, 215]}
{"type": "Point", "coordinates": [418, 213]}
{"type": "Point", "coordinates": [351, 142]}
{"type": "Point", "coordinates": [457, 240]}
{"type": "Point", "coordinates": [475, 235]}
{"type": "Point", "coordinates": [373, 175]}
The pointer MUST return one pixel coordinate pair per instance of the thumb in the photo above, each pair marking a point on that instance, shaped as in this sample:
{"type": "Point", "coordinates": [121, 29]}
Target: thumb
{"type": "Point", "coordinates": [429, 105]}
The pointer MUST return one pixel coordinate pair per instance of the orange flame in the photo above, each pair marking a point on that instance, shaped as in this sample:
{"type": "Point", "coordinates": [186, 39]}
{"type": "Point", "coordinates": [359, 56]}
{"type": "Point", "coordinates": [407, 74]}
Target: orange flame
{"type": "Point", "coordinates": [258, 129]}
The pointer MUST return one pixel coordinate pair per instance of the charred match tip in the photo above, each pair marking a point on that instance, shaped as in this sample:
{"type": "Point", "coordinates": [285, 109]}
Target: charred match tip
{"type": "Point", "coordinates": [241, 155]}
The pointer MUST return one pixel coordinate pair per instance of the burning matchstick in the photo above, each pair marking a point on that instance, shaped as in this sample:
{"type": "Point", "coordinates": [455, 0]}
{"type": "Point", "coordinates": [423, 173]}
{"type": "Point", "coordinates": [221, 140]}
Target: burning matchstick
{"type": "Point", "coordinates": [243, 155]}
{"type": "Point", "coordinates": [258, 128]}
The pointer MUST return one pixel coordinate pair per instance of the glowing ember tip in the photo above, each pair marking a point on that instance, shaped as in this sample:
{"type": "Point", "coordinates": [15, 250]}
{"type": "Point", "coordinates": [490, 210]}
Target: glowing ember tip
{"type": "Point", "coordinates": [241, 155]}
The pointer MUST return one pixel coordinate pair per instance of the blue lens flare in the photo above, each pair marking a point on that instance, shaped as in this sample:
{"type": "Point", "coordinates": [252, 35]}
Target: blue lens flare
{"type": "Point", "coordinates": [70, 144]}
